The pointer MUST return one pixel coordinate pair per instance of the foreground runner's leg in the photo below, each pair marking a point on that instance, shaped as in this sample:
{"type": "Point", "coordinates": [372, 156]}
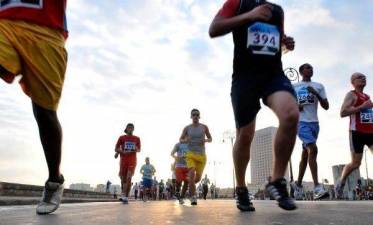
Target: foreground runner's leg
{"type": "Point", "coordinates": [286, 109]}
{"type": "Point", "coordinates": [241, 157]}
{"type": "Point", "coordinates": [51, 138]}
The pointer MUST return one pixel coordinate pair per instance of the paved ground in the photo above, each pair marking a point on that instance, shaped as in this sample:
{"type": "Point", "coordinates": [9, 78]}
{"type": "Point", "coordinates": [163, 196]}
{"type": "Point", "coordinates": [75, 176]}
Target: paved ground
{"type": "Point", "coordinates": [207, 212]}
{"type": "Point", "coordinates": [14, 200]}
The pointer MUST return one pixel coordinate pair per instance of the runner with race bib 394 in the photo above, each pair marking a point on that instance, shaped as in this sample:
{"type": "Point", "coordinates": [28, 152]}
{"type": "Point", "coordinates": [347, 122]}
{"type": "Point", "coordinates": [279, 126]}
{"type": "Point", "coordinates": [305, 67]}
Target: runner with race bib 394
{"type": "Point", "coordinates": [258, 35]}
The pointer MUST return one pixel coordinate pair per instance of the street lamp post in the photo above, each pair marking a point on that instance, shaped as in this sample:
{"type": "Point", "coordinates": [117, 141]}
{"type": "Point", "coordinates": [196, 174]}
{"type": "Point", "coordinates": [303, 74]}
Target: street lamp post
{"type": "Point", "coordinates": [293, 75]}
{"type": "Point", "coordinates": [230, 135]}
{"type": "Point", "coordinates": [366, 167]}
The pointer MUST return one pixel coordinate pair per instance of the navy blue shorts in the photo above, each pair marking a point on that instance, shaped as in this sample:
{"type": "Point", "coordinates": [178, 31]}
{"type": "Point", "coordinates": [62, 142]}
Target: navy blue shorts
{"type": "Point", "coordinates": [248, 89]}
{"type": "Point", "coordinates": [147, 182]}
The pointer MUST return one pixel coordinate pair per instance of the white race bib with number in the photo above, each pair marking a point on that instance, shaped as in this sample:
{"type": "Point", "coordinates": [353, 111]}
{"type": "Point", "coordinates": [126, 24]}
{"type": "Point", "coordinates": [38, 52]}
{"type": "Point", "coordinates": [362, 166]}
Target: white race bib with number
{"type": "Point", "coordinates": [366, 116]}
{"type": "Point", "coordinates": [305, 97]}
{"type": "Point", "coordinates": [129, 146]}
{"type": "Point", "coordinates": [263, 39]}
{"type": "Point", "coordinates": [36, 4]}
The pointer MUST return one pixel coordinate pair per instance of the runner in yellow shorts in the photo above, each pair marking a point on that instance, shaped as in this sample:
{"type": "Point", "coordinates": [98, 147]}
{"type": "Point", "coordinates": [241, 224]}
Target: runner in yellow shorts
{"type": "Point", "coordinates": [196, 161]}
{"type": "Point", "coordinates": [195, 135]}
{"type": "Point", "coordinates": [32, 45]}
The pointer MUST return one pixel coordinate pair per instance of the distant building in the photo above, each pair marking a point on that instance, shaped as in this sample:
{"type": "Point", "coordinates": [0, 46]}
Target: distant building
{"type": "Point", "coordinates": [115, 189]}
{"type": "Point", "coordinates": [351, 181]}
{"type": "Point", "coordinates": [100, 188]}
{"type": "Point", "coordinates": [254, 188]}
{"type": "Point", "coordinates": [81, 187]}
{"type": "Point", "coordinates": [261, 156]}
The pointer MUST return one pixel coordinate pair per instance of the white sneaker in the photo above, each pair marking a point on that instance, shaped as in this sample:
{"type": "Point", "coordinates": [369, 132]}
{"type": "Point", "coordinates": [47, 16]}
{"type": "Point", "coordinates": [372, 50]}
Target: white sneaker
{"type": "Point", "coordinates": [298, 190]}
{"type": "Point", "coordinates": [193, 200]}
{"type": "Point", "coordinates": [125, 200]}
{"type": "Point", "coordinates": [51, 199]}
{"type": "Point", "coordinates": [319, 192]}
{"type": "Point", "coordinates": [181, 201]}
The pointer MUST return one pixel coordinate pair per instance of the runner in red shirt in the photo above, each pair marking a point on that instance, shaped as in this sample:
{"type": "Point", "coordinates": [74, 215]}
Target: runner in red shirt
{"type": "Point", "coordinates": [127, 146]}
{"type": "Point", "coordinates": [359, 107]}
{"type": "Point", "coordinates": [32, 45]}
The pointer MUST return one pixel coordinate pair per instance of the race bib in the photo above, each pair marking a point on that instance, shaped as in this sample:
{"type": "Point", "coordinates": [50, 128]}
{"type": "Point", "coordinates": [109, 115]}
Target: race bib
{"type": "Point", "coordinates": [263, 39]}
{"type": "Point", "coordinates": [366, 115]}
{"type": "Point", "coordinates": [305, 97]}
{"type": "Point", "coordinates": [129, 146]}
{"type": "Point", "coordinates": [5, 4]}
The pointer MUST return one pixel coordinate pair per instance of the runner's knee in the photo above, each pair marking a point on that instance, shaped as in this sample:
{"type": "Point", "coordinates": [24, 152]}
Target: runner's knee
{"type": "Point", "coordinates": [289, 117]}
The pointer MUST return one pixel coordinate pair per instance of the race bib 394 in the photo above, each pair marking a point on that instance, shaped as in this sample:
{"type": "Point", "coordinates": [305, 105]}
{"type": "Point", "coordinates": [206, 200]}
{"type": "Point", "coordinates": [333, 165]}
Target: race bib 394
{"type": "Point", "coordinates": [263, 39]}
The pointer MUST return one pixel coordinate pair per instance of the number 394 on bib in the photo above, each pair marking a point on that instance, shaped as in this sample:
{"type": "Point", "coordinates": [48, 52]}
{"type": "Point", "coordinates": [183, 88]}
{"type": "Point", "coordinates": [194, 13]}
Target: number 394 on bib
{"type": "Point", "coordinates": [263, 39]}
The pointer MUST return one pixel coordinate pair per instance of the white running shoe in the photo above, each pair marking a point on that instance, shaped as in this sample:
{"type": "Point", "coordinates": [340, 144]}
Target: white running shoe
{"type": "Point", "coordinates": [298, 190]}
{"type": "Point", "coordinates": [320, 193]}
{"type": "Point", "coordinates": [193, 200]}
{"type": "Point", "coordinates": [51, 199]}
{"type": "Point", "coordinates": [181, 201]}
{"type": "Point", "coordinates": [125, 200]}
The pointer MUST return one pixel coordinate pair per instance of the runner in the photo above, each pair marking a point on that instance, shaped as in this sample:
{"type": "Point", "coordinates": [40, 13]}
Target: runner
{"type": "Point", "coordinates": [147, 171]}
{"type": "Point", "coordinates": [173, 180]}
{"type": "Point", "coordinates": [205, 186]}
{"type": "Point", "coordinates": [181, 170]}
{"type": "Point", "coordinates": [32, 42]}
{"type": "Point", "coordinates": [155, 187]}
{"type": "Point", "coordinates": [136, 190]}
{"type": "Point", "coordinates": [359, 107]}
{"type": "Point", "coordinates": [127, 147]}
{"type": "Point", "coordinates": [258, 35]}
{"type": "Point", "coordinates": [212, 190]}
{"type": "Point", "coordinates": [161, 190]}
{"type": "Point", "coordinates": [194, 134]}
{"type": "Point", "coordinates": [309, 95]}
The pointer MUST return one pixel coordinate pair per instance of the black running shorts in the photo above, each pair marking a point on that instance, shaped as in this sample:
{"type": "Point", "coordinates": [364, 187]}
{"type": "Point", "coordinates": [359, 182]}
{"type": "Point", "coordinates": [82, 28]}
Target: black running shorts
{"type": "Point", "coordinates": [358, 140]}
{"type": "Point", "coordinates": [248, 89]}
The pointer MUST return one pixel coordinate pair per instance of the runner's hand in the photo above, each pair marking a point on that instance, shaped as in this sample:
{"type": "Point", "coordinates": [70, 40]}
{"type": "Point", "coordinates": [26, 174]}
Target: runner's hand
{"type": "Point", "coordinates": [367, 104]}
{"type": "Point", "coordinates": [300, 108]}
{"type": "Point", "coordinates": [312, 90]}
{"type": "Point", "coordinates": [262, 12]}
{"type": "Point", "coordinates": [116, 155]}
{"type": "Point", "coordinates": [289, 43]}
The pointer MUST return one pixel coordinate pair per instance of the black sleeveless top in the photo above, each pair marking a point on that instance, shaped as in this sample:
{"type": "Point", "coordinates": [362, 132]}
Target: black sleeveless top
{"type": "Point", "coordinates": [257, 45]}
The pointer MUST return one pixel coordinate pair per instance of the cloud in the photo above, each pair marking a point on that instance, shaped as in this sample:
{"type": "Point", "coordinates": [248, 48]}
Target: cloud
{"type": "Point", "coordinates": [151, 61]}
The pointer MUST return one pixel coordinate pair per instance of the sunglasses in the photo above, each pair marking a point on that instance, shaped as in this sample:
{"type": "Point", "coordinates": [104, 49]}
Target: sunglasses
{"type": "Point", "coordinates": [195, 114]}
{"type": "Point", "coordinates": [308, 67]}
{"type": "Point", "coordinates": [360, 77]}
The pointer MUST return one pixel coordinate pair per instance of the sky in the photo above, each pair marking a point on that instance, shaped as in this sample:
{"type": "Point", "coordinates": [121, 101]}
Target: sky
{"type": "Point", "coordinates": [150, 62]}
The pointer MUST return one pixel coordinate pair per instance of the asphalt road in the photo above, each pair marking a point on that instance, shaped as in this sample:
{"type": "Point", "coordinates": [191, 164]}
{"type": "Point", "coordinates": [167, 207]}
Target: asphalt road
{"type": "Point", "coordinates": [214, 212]}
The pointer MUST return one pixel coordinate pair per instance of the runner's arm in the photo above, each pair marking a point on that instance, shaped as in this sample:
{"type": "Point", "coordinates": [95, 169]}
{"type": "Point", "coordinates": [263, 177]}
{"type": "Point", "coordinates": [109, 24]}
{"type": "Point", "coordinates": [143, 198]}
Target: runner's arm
{"type": "Point", "coordinates": [184, 136]}
{"type": "Point", "coordinates": [117, 148]}
{"type": "Point", "coordinates": [174, 150]}
{"type": "Point", "coordinates": [138, 146]}
{"type": "Point", "coordinates": [320, 96]}
{"type": "Point", "coordinates": [224, 24]}
{"type": "Point", "coordinates": [286, 41]}
{"type": "Point", "coordinates": [348, 108]}
{"type": "Point", "coordinates": [208, 135]}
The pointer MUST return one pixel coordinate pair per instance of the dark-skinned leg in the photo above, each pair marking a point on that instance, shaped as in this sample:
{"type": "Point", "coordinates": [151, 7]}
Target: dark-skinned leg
{"type": "Point", "coordinates": [302, 166]}
{"type": "Point", "coordinates": [312, 161]}
{"type": "Point", "coordinates": [50, 132]}
{"type": "Point", "coordinates": [241, 151]}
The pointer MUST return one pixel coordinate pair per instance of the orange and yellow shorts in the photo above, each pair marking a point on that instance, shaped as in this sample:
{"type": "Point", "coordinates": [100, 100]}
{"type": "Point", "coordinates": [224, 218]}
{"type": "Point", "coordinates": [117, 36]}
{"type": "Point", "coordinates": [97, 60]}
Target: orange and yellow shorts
{"type": "Point", "coordinates": [38, 54]}
{"type": "Point", "coordinates": [196, 161]}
